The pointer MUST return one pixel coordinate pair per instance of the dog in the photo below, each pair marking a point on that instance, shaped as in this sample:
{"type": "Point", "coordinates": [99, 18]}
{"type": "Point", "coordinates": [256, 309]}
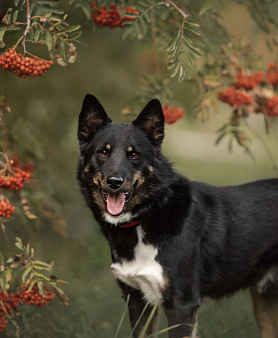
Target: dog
{"type": "Point", "coordinates": [174, 241]}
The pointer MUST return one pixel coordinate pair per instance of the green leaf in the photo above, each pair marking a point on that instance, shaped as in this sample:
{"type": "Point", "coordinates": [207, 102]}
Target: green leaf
{"type": "Point", "coordinates": [8, 274]}
{"type": "Point", "coordinates": [62, 50]}
{"type": "Point", "coordinates": [174, 42]}
{"type": "Point", "coordinates": [27, 249]}
{"type": "Point", "coordinates": [42, 277]}
{"type": "Point", "coordinates": [147, 17]}
{"type": "Point", "coordinates": [9, 15]}
{"type": "Point", "coordinates": [4, 285]}
{"type": "Point", "coordinates": [41, 289]}
{"type": "Point", "coordinates": [48, 41]}
{"type": "Point", "coordinates": [27, 271]}
{"type": "Point", "coordinates": [16, 2]}
{"type": "Point", "coordinates": [181, 74]}
{"type": "Point", "coordinates": [13, 28]}
{"type": "Point", "coordinates": [37, 35]}
{"type": "Point", "coordinates": [75, 35]}
{"type": "Point", "coordinates": [57, 11]}
{"type": "Point", "coordinates": [131, 15]}
{"type": "Point", "coordinates": [54, 41]}
{"type": "Point", "coordinates": [15, 16]}
{"type": "Point", "coordinates": [19, 245]}
{"type": "Point", "coordinates": [2, 32]}
{"type": "Point", "coordinates": [30, 287]}
{"type": "Point", "coordinates": [144, 27]}
{"type": "Point", "coordinates": [87, 12]}
{"type": "Point", "coordinates": [176, 69]}
{"type": "Point", "coordinates": [127, 32]}
{"type": "Point", "coordinates": [61, 294]}
{"type": "Point", "coordinates": [72, 29]}
{"type": "Point", "coordinates": [41, 265]}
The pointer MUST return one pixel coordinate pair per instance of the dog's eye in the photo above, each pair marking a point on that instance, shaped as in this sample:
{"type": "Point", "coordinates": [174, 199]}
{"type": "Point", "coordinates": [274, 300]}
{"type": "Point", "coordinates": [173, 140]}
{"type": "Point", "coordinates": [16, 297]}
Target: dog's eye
{"type": "Point", "coordinates": [103, 153]}
{"type": "Point", "coordinates": [133, 155]}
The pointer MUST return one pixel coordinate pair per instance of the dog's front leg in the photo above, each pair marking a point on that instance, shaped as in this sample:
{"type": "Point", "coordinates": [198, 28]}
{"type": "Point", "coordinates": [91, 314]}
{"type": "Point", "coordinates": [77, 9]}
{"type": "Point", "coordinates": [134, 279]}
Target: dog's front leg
{"type": "Point", "coordinates": [184, 314]}
{"type": "Point", "coordinates": [136, 306]}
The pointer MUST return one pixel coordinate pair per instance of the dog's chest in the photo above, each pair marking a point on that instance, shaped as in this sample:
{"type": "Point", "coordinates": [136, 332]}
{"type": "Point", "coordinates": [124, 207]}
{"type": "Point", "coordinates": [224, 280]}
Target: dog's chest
{"type": "Point", "coordinates": [143, 272]}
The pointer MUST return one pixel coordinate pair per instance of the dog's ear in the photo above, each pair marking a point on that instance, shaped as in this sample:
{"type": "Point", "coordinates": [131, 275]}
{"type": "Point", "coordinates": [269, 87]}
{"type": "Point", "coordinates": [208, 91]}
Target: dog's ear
{"type": "Point", "coordinates": [91, 118]}
{"type": "Point", "coordinates": [151, 122]}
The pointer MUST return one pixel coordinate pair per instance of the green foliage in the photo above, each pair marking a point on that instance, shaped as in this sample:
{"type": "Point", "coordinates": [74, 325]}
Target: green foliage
{"type": "Point", "coordinates": [45, 24]}
{"type": "Point", "coordinates": [84, 5]}
{"type": "Point", "coordinates": [182, 52]}
{"type": "Point", "coordinates": [33, 271]}
{"type": "Point", "coordinates": [139, 26]}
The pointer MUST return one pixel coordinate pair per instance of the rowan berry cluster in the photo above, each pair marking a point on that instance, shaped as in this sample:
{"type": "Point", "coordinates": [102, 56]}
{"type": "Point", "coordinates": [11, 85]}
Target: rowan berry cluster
{"type": "Point", "coordinates": [173, 114]}
{"type": "Point", "coordinates": [249, 82]}
{"type": "Point", "coordinates": [271, 107]}
{"type": "Point", "coordinates": [259, 99]}
{"type": "Point", "coordinates": [3, 323]}
{"type": "Point", "coordinates": [14, 179]}
{"type": "Point", "coordinates": [272, 74]}
{"type": "Point", "coordinates": [24, 66]}
{"type": "Point", "coordinates": [6, 209]}
{"type": "Point", "coordinates": [112, 19]}
{"type": "Point", "coordinates": [8, 303]}
{"type": "Point", "coordinates": [33, 297]}
{"type": "Point", "coordinates": [235, 97]}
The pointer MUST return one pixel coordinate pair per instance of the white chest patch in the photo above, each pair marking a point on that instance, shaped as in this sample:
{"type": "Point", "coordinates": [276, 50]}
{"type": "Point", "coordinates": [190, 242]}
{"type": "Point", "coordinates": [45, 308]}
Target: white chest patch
{"type": "Point", "coordinates": [143, 272]}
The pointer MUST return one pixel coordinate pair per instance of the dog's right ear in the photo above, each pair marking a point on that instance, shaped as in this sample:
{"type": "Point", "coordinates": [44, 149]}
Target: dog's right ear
{"type": "Point", "coordinates": [91, 118]}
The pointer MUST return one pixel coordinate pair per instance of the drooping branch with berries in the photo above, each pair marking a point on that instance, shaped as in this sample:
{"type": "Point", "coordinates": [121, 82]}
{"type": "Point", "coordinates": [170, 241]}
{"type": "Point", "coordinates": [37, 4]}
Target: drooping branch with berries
{"type": "Point", "coordinates": [44, 24]}
{"type": "Point", "coordinates": [37, 286]}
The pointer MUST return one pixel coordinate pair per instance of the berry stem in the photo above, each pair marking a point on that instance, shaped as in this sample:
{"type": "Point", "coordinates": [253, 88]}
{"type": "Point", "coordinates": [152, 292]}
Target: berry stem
{"type": "Point", "coordinates": [170, 2]}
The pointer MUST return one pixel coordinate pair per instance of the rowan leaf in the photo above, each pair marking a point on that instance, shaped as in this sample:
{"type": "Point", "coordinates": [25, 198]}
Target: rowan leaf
{"type": "Point", "coordinates": [25, 274]}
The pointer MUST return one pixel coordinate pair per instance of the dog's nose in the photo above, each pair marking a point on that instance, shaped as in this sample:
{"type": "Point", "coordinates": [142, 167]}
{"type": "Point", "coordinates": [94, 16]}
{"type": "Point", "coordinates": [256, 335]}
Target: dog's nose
{"type": "Point", "coordinates": [115, 182]}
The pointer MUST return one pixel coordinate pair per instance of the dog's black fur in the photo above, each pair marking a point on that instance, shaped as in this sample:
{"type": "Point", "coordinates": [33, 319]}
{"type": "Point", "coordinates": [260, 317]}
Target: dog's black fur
{"type": "Point", "coordinates": [211, 241]}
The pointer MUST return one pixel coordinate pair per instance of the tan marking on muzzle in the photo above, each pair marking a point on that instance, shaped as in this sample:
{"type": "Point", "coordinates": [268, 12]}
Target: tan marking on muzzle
{"type": "Point", "coordinates": [99, 200]}
{"type": "Point", "coordinates": [86, 169]}
{"type": "Point", "coordinates": [139, 178]}
{"type": "Point", "coordinates": [151, 169]}
{"type": "Point", "coordinates": [97, 178]}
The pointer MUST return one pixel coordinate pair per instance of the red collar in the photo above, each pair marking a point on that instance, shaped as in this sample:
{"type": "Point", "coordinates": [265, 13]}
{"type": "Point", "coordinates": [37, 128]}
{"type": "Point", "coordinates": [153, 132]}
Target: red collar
{"type": "Point", "coordinates": [131, 224]}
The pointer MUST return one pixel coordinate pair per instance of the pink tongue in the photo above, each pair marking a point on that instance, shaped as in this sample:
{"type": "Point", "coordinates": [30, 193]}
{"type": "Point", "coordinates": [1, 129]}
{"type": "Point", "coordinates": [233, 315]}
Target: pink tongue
{"type": "Point", "coordinates": [115, 203]}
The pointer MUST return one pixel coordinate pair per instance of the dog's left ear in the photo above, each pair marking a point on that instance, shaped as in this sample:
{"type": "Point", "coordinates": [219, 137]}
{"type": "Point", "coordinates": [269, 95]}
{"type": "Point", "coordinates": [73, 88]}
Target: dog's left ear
{"type": "Point", "coordinates": [151, 122]}
{"type": "Point", "coordinates": [91, 119]}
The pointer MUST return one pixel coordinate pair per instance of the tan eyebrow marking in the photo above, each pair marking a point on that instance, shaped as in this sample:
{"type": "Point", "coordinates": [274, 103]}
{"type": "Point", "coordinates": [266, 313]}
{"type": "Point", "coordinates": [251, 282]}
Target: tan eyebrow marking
{"type": "Point", "coordinates": [108, 147]}
{"type": "Point", "coordinates": [129, 149]}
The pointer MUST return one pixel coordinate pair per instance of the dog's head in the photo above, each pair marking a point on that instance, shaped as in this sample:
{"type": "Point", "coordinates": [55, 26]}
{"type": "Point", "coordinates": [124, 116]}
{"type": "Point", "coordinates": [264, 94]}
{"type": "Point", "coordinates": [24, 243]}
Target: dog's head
{"type": "Point", "coordinates": [116, 162]}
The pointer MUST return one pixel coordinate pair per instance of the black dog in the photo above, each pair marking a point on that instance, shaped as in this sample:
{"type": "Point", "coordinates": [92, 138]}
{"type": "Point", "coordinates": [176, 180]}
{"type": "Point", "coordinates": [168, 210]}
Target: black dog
{"type": "Point", "coordinates": [173, 241]}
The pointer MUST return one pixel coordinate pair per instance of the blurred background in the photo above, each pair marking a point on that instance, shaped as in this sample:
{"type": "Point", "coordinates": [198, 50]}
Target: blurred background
{"type": "Point", "coordinates": [43, 124]}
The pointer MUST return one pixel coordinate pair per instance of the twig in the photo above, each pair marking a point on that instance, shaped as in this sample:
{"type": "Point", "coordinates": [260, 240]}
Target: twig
{"type": "Point", "coordinates": [26, 31]}
{"type": "Point", "coordinates": [185, 15]}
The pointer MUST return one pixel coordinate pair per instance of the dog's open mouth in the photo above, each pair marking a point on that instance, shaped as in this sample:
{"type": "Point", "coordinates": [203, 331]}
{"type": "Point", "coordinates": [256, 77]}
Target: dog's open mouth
{"type": "Point", "coordinates": [116, 202]}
